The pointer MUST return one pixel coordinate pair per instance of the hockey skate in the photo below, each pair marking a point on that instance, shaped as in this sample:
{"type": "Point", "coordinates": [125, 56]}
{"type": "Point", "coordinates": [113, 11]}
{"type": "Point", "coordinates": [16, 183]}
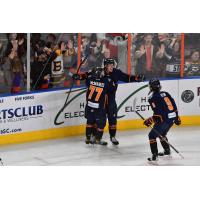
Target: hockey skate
{"type": "Point", "coordinates": [101, 142]}
{"type": "Point", "coordinates": [90, 140]}
{"type": "Point", "coordinates": [166, 154]}
{"type": "Point", "coordinates": [114, 141]}
{"type": "Point", "coordinates": [87, 141]}
{"type": "Point", "coordinates": [153, 160]}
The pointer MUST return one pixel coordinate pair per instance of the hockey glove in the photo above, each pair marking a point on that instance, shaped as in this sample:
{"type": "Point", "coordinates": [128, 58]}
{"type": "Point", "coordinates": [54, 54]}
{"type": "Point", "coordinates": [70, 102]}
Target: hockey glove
{"type": "Point", "coordinates": [157, 119]}
{"type": "Point", "coordinates": [148, 122]}
{"type": "Point", "coordinates": [177, 121]}
{"type": "Point", "coordinates": [139, 78]}
{"type": "Point", "coordinates": [76, 77]}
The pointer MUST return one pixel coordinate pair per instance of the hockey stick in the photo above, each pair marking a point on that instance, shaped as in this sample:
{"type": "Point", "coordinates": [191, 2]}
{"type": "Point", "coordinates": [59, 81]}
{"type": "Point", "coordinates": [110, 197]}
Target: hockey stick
{"type": "Point", "coordinates": [68, 93]}
{"type": "Point", "coordinates": [157, 132]}
{"type": "Point", "coordinates": [73, 81]}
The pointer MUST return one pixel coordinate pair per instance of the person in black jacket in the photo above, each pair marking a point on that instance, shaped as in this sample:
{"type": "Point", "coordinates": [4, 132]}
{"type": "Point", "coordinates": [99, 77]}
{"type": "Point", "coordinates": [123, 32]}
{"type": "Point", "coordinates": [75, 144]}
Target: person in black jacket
{"type": "Point", "coordinates": [116, 75]}
{"type": "Point", "coordinates": [165, 114]}
{"type": "Point", "coordinates": [98, 87]}
{"type": "Point", "coordinates": [40, 72]}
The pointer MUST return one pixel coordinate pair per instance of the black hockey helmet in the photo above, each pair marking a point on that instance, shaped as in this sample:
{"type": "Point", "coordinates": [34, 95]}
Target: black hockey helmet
{"type": "Point", "coordinates": [108, 61]}
{"type": "Point", "coordinates": [154, 85]}
{"type": "Point", "coordinates": [97, 73]}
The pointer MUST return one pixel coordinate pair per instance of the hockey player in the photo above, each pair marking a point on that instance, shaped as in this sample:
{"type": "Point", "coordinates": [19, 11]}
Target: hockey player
{"type": "Point", "coordinates": [98, 86]}
{"type": "Point", "coordinates": [165, 114]}
{"type": "Point", "coordinates": [116, 75]}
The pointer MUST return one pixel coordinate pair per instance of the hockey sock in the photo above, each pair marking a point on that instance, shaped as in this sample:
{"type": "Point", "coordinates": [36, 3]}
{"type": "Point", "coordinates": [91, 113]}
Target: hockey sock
{"type": "Point", "coordinates": [153, 146]}
{"type": "Point", "coordinates": [164, 144]}
{"type": "Point", "coordinates": [94, 130]}
{"type": "Point", "coordinates": [89, 129]}
{"type": "Point", "coordinates": [112, 130]}
{"type": "Point", "coordinates": [99, 134]}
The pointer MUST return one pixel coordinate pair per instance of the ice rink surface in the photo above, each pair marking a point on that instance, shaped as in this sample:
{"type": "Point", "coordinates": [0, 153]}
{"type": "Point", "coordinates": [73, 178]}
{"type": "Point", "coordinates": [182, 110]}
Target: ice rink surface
{"type": "Point", "coordinates": [133, 150]}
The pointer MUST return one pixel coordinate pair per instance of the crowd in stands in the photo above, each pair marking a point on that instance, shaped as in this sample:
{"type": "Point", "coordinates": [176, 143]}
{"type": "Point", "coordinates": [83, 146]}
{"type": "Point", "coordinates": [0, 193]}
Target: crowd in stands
{"type": "Point", "coordinates": [100, 46]}
{"type": "Point", "coordinates": [13, 62]}
{"type": "Point", "coordinates": [192, 54]}
{"type": "Point", "coordinates": [54, 56]}
{"type": "Point", "coordinates": [157, 55]}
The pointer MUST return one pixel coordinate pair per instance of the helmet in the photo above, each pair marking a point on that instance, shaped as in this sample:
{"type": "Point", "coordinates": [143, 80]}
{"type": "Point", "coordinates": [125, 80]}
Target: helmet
{"type": "Point", "coordinates": [154, 85]}
{"type": "Point", "coordinates": [97, 73]}
{"type": "Point", "coordinates": [108, 61]}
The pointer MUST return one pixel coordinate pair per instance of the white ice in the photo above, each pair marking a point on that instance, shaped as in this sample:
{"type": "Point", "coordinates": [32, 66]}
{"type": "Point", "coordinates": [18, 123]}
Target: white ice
{"type": "Point", "coordinates": [133, 150]}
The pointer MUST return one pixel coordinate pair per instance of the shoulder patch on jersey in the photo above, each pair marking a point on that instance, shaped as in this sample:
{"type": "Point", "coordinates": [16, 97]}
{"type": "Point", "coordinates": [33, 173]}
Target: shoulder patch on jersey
{"type": "Point", "coordinates": [163, 94]}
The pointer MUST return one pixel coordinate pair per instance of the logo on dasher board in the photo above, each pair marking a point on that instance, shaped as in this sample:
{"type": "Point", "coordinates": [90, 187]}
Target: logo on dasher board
{"type": "Point", "coordinates": [81, 113]}
{"type": "Point", "coordinates": [187, 96]}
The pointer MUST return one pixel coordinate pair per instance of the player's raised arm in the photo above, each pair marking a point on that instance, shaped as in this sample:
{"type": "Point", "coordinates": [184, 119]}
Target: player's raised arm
{"type": "Point", "coordinates": [110, 67]}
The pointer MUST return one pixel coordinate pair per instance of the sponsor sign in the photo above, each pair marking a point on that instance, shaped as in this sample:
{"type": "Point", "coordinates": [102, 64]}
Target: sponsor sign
{"type": "Point", "coordinates": [39, 111]}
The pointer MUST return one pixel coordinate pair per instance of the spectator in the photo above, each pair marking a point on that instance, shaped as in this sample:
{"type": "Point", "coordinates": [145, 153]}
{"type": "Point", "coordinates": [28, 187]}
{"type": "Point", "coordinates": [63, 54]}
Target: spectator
{"type": "Point", "coordinates": [36, 44]}
{"type": "Point", "coordinates": [193, 64]}
{"type": "Point", "coordinates": [40, 75]}
{"type": "Point", "coordinates": [69, 54]}
{"type": "Point", "coordinates": [174, 60]}
{"type": "Point", "coordinates": [192, 42]}
{"type": "Point", "coordinates": [69, 61]}
{"type": "Point", "coordinates": [111, 44]}
{"type": "Point", "coordinates": [134, 38]}
{"type": "Point", "coordinates": [57, 67]}
{"type": "Point", "coordinates": [51, 39]}
{"type": "Point", "coordinates": [14, 53]}
{"type": "Point", "coordinates": [146, 55]}
{"type": "Point", "coordinates": [122, 44]}
{"type": "Point", "coordinates": [168, 52]}
{"type": "Point", "coordinates": [2, 78]}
